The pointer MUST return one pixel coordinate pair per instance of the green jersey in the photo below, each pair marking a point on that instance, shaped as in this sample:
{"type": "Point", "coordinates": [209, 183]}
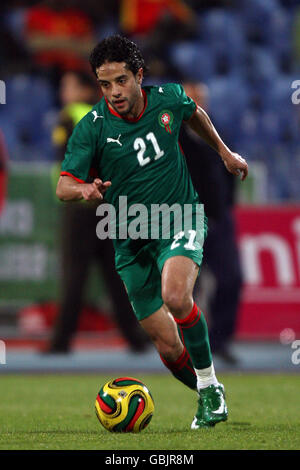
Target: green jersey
{"type": "Point", "coordinates": [141, 157]}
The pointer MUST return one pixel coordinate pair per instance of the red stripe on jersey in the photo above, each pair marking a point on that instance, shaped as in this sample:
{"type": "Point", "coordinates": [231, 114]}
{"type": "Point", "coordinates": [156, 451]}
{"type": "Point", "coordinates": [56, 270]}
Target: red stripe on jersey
{"type": "Point", "coordinates": [181, 149]}
{"type": "Point", "coordinates": [66, 173]}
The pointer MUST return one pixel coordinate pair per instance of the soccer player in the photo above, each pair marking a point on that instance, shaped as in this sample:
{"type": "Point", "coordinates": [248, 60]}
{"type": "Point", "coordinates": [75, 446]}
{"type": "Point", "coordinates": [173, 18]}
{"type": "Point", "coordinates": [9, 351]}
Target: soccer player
{"type": "Point", "coordinates": [131, 136]}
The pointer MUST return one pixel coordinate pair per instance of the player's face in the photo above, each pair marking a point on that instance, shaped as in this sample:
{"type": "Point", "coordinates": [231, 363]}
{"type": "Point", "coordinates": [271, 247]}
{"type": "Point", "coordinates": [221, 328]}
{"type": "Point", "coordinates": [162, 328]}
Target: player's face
{"type": "Point", "coordinates": [121, 87]}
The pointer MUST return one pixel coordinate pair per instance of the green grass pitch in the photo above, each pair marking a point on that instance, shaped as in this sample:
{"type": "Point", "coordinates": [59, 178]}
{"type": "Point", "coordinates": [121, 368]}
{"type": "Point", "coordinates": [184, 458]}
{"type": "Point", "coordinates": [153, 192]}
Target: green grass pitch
{"type": "Point", "coordinates": [57, 412]}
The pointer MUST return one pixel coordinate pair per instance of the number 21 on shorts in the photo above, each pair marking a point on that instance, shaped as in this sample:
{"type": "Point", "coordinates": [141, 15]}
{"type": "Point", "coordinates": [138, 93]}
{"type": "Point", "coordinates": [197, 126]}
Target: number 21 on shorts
{"type": "Point", "coordinates": [189, 245]}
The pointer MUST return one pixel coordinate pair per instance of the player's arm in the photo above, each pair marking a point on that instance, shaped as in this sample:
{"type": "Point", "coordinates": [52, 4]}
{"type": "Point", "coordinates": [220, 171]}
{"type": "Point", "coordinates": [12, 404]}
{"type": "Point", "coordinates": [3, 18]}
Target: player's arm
{"type": "Point", "coordinates": [68, 189]}
{"type": "Point", "coordinates": [79, 156]}
{"type": "Point", "coordinates": [202, 125]}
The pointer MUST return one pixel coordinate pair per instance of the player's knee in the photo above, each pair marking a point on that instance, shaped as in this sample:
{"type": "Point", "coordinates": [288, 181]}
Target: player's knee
{"type": "Point", "coordinates": [178, 303]}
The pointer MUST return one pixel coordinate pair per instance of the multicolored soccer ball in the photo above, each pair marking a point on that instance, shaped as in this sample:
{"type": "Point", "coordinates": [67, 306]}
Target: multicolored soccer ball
{"type": "Point", "coordinates": [124, 405]}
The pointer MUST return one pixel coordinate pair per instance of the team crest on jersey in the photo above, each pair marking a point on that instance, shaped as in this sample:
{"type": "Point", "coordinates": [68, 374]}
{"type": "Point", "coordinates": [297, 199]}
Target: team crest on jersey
{"type": "Point", "coordinates": [165, 119]}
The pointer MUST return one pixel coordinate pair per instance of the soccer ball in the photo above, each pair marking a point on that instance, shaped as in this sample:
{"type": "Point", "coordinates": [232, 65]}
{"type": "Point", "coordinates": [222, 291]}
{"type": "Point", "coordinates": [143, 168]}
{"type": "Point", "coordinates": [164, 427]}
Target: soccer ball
{"type": "Point", "coordinates": [124, 405]}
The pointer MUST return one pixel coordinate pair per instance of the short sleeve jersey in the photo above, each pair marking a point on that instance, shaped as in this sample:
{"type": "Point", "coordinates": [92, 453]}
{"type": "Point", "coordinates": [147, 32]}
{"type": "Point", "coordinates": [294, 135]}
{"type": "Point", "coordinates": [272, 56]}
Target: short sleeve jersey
{"type": "Point", "coordinates": [142, 157]}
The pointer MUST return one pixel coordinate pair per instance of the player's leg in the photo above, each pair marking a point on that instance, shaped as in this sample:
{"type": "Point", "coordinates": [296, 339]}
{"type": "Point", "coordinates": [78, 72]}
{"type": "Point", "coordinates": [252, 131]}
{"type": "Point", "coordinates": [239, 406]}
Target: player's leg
{"type": "Point", "coordinates": [162, 329]}
{"type": "Point", "coordinates": [179, 275]}
{"type": "Point", "coordinates": [142, 280]}
{"type": "Point", "coordinates": [178, 278]}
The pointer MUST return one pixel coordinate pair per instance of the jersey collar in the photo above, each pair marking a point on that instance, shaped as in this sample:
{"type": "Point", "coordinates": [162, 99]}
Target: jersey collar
{"type": "Point", "coordinates": [112, 111]}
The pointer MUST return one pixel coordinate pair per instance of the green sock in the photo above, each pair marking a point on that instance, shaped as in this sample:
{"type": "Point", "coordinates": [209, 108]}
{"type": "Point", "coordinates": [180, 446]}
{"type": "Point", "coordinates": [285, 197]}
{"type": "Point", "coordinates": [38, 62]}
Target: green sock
{"type": "Point", "coordinates": [194, 335]}
{"type": "Point", "coordinates": [183, 369]}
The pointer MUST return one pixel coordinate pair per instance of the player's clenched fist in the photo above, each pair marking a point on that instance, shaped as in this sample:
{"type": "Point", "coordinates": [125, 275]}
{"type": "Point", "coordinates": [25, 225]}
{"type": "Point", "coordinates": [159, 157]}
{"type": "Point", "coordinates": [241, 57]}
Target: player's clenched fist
{"type": "Point", "coordinates": [95, 190]}
{"type": "Point", "coordinates": [236, 164]}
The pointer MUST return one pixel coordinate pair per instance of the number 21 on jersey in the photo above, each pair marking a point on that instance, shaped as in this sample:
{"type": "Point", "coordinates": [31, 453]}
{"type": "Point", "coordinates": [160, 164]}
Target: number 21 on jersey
{"type": "Point", "coordinates": [141, 146]}
{"type": "Point", "coordinates": [189, 245]}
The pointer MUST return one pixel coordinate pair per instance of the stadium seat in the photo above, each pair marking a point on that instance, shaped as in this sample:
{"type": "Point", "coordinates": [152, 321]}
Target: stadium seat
{"type": "Point", "coordinates": [33, 94]}
{"type": "Point", "coordinates": [278, 127]}
{"type": "Point", "coordinates": [281, 171]}
{"type": "Point", "coordinates": [229, 98]}
{"type": "Point", "coordinates": [290, 4]}
{"type": "Point", "coordinates": [29, 102]}
{"type": "Point", "coordinates": [157, 81]}
{"type": "Point", "coordinates": [9, 131]}
{"type": "Point", "coordinates": [193, 60]}
{"type": "Point", "coordinates": [269, 127]}
{"type": "Point", "coordinates": [230, 92]}
{"type": "Point", "coordinates": [262, 8]}
{"type": "Point", "coordinates": [279, 37]}
{"type": "Point", "coordinates": [279, 30]}
{"type": "Point", "coordinates": [247, 139]}
{"type": "Point", "coordinates": [278, 95]}
{"type": "Point", "coordinates": [224, 34]}
{"type": "Point", "coordinates": [261, 65]}
{"type": "Point", "coordinates": [292, 152]}
{"type": "Point", "coordinates": [261, 70]}
{"type": "Point", "coordinates": [289, 125]}
{"type": "Point", "coordinates": [256, 17]}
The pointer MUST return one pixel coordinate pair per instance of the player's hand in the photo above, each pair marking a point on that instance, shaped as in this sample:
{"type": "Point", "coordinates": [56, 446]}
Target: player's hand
{"type": "Point", "coordinates": [94, 191]}
{"type": "Point", "coordinates": [236, 164]}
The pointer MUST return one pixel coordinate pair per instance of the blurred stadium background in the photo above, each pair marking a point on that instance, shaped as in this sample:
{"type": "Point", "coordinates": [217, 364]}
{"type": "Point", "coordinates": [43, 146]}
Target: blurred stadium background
{"type": "Point", "coordinates": [247, 52]}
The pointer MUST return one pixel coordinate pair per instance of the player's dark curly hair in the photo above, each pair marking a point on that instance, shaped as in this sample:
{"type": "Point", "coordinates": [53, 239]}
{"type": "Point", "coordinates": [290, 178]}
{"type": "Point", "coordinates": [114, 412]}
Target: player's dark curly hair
{"type": "Point", "coordinates": [117, 49]}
